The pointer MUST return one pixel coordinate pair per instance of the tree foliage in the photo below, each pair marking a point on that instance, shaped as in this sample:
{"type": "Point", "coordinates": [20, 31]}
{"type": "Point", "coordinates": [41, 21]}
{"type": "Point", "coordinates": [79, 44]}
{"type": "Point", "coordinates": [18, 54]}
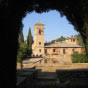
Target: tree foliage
{"type": "Point", "coordinates": [21, 37]}
{"type": "Point", "coordinates": [86, 46]}
{"type": "Point", "coordinates": [60, 39]}
{"type": "Point", "coordinates": [29, 39]}
{"type": "Point", "coordinates": [79, 58]}
{"type": "Point", "coordinates": [79, 39]}
{"type": "Point", "coordinates": [23, 51]}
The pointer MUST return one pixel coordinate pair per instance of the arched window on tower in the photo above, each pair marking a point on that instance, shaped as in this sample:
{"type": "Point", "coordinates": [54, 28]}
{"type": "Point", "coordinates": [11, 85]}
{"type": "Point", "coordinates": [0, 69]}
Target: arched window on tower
{"type": "Point", "coordinates": [73, 40]}
{"type": "Point", "coordinates": [39, 43]}
{"type": "Point", "coordinates": [54, 50]}
{"type": "Point", "coordinates": [40, 32]}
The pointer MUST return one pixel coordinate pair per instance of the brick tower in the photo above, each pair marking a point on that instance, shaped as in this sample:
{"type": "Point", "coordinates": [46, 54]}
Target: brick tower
{"type": "Point", "coordinates": [38, 45]}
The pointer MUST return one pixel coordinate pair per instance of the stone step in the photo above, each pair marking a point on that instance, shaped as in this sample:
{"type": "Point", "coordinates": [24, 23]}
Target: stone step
{"type": "Point", "coordinates": [20, 80]}
{"type": "Point", "coordinates": [47, 74]}
{"type": "Point", "coordinates": [47, 82]}
{"type": "Point", "coordinates": [28, 69]}
{"type": "Point", "coordinates": [47, 78]}
{"type": "Point", "coordinates": [26, 74]}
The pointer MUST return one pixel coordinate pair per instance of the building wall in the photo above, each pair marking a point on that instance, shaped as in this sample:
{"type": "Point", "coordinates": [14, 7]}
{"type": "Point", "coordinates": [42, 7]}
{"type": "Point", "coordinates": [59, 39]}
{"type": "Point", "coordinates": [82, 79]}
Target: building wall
{"type": "Point", "coordinates": [59, 57]}
{"type": "Point", "coordinates": [50, 50]}
{"type": "Point", "coordinates": [68, 51]}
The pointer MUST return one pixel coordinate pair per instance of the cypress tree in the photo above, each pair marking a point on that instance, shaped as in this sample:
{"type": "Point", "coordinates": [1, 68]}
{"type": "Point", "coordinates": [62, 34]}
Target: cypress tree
{"type": "Point", "coordinates": [79, 39]}
{"type": "Point", "coordinates": [29, 39]}
{"type": "Point", "coordinates": [21, 37]}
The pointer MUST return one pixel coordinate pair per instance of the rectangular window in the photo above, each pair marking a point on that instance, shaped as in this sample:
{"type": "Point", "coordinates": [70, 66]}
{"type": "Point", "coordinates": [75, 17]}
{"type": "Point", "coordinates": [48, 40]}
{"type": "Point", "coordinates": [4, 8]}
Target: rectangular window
{"type": "Point", "coordinates": [40, 50]}
{"type": "Point", "coordinates": [53, 50]}
{"type": "Point", "coordinates": [64, 51]}
{"type": "Point", "coordinates": [40, 32]}
{"type": "Point", "coordinates": [45, 51]}
{"type": "Point", "coordinates": [73, 40]}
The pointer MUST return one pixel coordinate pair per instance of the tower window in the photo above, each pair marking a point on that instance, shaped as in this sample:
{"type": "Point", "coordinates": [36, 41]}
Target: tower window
{"type": "Point", "coordinates": [73, 40]}
{"type": "Point", "coordinates": [53, 50]}
{"type": "Point", "coordinates": [39, 43]}
{"type": "Point", "coordinates": [64, 51]}
{"type": "Point", "coordinates": [40, 50]}
{"type": "Point", "coordinates": [40, 32]}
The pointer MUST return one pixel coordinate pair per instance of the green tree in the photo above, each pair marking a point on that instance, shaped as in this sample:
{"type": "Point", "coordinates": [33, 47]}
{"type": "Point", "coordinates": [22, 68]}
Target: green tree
{"type": "Point", "coordinates": [21, 37]}
{"type": "Point", "coordinates": [86, 46]}
{"type": "Point", "coordinates": [52, 41]}
{"type": "Point", "coordinates": [61, 39]}
{"type": "Point", "coordinates": [22, 51]}
{"type": "Point", "coordinates": [79, 39]}
{"type": "Point", "coordinates": [29, 41]}
{"type": "Point", "coordinates": [79, 58]}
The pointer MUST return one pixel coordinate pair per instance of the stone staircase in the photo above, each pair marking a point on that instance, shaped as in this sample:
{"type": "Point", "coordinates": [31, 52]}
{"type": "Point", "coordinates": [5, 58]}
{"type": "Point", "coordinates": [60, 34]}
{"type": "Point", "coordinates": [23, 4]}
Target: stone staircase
{"type": "Point", "coordinates": [24, 74]}
{"type": "Point", "coordinates": [46, 75]}
{"type": "Point", "coordinates": [46, 79]}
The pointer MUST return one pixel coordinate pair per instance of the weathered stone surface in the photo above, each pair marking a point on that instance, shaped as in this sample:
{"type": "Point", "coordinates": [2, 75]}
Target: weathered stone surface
{"type": "Point", "coordinates": [20, 80]}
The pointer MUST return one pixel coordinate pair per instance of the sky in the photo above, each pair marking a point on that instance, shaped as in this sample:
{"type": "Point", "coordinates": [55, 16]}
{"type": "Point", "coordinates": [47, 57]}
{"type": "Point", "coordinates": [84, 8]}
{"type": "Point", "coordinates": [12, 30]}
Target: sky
{"type": "Point", "coordinates": [55, 25]}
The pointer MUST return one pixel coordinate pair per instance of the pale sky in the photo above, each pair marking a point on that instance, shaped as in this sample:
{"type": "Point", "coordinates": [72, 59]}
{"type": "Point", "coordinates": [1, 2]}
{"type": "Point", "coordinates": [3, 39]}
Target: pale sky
{"type": "Point", "coordinates": [55, 25]}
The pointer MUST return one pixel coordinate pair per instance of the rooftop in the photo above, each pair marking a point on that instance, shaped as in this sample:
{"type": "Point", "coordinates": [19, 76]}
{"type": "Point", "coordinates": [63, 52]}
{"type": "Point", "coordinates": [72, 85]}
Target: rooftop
{"type": "Point", "coordinates": [39, 23]}
{"type": "Point", "coordinates": [62, 44]}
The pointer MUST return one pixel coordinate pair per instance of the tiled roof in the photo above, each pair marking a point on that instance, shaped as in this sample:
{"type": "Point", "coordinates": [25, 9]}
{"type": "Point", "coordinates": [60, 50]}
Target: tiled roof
{"type": "Point", "coordinates": [62, 44]}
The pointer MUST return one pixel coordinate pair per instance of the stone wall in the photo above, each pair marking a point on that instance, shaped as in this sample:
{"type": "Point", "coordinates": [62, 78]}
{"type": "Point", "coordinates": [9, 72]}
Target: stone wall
{"type": "Point", "coordinates": [55, 66]}
{"type": "Point", "coordinates": [67, 50]}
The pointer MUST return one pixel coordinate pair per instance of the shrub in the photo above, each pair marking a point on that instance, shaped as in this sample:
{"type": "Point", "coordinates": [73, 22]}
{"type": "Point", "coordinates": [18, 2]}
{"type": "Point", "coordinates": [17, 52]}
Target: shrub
{"type": "Point", "coordinates": [79, 58]}
{"type": "Point", "coordinates": [23, 52]}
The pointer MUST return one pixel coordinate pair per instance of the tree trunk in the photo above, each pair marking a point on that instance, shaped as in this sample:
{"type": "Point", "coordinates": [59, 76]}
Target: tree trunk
{"type": "Point", "coordinates": [21, 64]}
{"type": "Point", "coordinates": [85, 36]}
{"type": "Point", "coordinates": [86, 41]}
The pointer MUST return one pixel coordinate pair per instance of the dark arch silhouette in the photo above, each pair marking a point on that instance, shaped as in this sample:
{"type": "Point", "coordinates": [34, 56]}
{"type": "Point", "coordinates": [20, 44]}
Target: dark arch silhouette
{"type": "Point", "coordinates": [76, 11]}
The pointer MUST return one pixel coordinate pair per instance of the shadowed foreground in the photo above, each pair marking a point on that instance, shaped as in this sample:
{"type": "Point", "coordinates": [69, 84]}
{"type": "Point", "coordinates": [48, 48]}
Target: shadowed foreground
{"type": "Point", "coordinates": [60, 79]}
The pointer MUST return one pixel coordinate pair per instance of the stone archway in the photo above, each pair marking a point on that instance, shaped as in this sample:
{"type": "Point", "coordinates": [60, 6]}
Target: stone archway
{"type": "Point", "coordinates": [73, 10]}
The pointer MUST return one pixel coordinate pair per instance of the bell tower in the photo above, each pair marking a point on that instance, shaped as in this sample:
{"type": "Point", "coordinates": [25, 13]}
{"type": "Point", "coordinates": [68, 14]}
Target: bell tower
{"type": "Point", "coordinates": [38, 46]}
